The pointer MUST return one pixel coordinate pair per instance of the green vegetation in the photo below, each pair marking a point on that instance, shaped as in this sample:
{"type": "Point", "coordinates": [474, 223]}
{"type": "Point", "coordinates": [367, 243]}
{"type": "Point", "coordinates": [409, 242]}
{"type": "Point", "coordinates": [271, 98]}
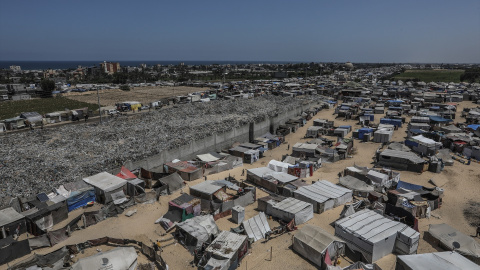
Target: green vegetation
{"type": "Point", "coordinates": [448, 75]}
{"type": "Point", "coordinates": [471, 75]}
{"type": "Point", "coordinates": [9, 109]}
{"type": "Point", "coordinates": [47, 87]}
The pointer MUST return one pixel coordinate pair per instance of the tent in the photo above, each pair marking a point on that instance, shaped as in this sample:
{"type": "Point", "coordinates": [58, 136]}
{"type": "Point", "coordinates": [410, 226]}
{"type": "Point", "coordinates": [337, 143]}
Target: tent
{"type": "Point", "coordinates": [323, 195]}
{"type": "Point", "coordinates": [227, 247]}
{"type": "Point", "coordinates": [359, 187]}
{"type": "Point", "coordinates": [208, 190]}
{"type": "Point", "coordinates": [183, 208]}
{"type": "Point", "coordinates": [256, 227]}
{"type": "Point", "coordinates": [105, 185]}
{"type": "Point", "coordinates": [174, 182]}
{"type": "Point", "coordinates": [437, 260]}
{"type": "Point", "coordinates": [126, 174]}
{"type": "Point", "coordinates": [375, 236]}
{"type": "Point", "coordinates": [292, 208]}
{"type": "Point", "coordinates": [317, 245]}
{"type": "Point", "coordinates": [10, 220]}
{"type": "Point", "coordinates": [80, 198]}
{"type": "Point", "coordinates": [194, 232]}
{"type": "Point", "coordinates": [378, 178]}
{"type": "Point", "coordinates": [278, 166]}
{"type": "Point", "coordinates": [121, 258]}
{"type": "Point", "coordinates": [447, 235]}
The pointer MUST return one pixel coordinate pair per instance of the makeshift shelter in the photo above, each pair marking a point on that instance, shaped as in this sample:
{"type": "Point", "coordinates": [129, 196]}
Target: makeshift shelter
{"type": "Point", "coordinates": [117, 258]}
{"type": "Point", "coordinates": [105, 185]}
{"type": "Point", "coordinates": [359, 187]}
{"type": "Point", "coordinates": [40, 219]}
{"type": "Point", "coordinates": [32, 117]}
{"type": "Point", "coordinates": [292, 208]}
{"type": "Point", "coordinates": [194, 232]}
{"type": "Point", "coordinates": [402, 160]}
{"type": "Point", "coordinates": [207, 190]}
{"type": "Point", "coordinates": [445, 236]}
{"type": "Point", "coordinates": [10, 220]}
{"type": "Point", "coordinates": [323, 195]}
{"type": "Point", "coordinates": [379, 179]}
{"type": "Point", "coordinates": [126, 174]}
{"type": "Point", "coordinates": [278, 166]}
{"type": "Point", "coordinates": [256, 227]}
{"type": "Point", "coordinates": [314, 132]}
{"type": "Point", "coordinates": [183, 207]}
{"type": "Point", "coordinates": [187, 171]}
{"type": "Point", "coordinates": [437, 260]}
{"type": "Point", "coordinates": [268, 178]}
{"type": "Point", "coordinates": [317, 245]}
{"type": "Point", "coordinates": [304, 150]}
{"type": "Point", "coordinates": [173, 181]}
{"type": "Point", "coordinates": [228, 248]}
{"type": "Point", "coordinates": [374, 236]}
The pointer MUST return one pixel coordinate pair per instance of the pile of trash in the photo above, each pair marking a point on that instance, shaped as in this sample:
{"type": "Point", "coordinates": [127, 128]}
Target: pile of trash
{"type": "Point", "coordinates": [40, 160]}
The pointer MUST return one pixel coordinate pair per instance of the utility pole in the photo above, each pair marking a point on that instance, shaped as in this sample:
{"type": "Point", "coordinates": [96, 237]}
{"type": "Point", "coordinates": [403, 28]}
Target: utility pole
{"type": "Point", "coordinates": [99, 108]}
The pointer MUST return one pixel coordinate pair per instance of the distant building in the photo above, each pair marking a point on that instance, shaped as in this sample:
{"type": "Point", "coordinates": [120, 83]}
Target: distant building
{"type": "Point", "coordinates": [110, 67]}
{"type": "Point", "coordinates": [16, 69]}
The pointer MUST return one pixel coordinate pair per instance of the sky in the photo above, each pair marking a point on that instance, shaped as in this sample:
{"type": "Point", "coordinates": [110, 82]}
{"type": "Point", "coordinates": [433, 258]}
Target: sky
{"type": "Point", "coordinates": [436, 31]}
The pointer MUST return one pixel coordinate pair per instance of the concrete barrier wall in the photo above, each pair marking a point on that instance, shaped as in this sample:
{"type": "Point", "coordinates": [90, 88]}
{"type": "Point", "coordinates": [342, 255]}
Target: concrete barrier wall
{"type": "Point", "coordinates": [216, 142]}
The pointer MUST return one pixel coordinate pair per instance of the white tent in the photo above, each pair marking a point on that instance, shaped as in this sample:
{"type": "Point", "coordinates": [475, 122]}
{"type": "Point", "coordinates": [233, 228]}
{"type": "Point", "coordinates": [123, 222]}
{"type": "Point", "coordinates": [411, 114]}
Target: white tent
{"type": "Point", "coordinates": [313, 242]}
{"type": "Point", "coordinates": [447, 235]}
{"type": "Point", "coordinates": [378, 178]}
{"type": "Point", "coordinates": [323, 195]}
{"type": "Point", "coordinates": [292, 208]}
{"type": "Point", "coordinates": [278, 166]}
{"type": "Point", "coordinates": [256, 227]}
{"type": "Point", "coordinates": [375, 236]}
{"type": "Point", "coordinates": [196, 231]}
{"type": "Point", "coordinates": [120, 258]}
{"type": "Point", "coordinates": [105, 185]}
{"type": "Point", "coordinates": [438, 261]}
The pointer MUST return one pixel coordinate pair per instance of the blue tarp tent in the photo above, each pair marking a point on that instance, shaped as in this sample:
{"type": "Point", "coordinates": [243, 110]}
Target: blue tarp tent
{"type": "Point", "coordinates": [363, 131]}
{"type": "Point", "coordinates": [417, 131]}
{"type": "Point", "coordinates": [474, 127]}
{"type": "Point", "coordinates": [408, 186]}
{"type": "Point", "coordinates": [439, 119]}
{"type": "Point", "coordinates": [331, 102]}
{"type": "Point", "coordinates": [79, 199]}
{"type": "Point", "coordinates": [388, 121]}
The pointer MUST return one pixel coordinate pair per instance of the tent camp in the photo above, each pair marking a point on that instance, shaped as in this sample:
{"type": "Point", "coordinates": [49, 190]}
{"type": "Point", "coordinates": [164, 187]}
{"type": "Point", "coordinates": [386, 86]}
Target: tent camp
{"type": "Point", "coordinates": [444, 235]}
{"type": "Point", "coordinates": [323, 195]}
{"type": "Point", "coordinates": [192, 233]}
{"type": "Point", "coordinates": [317, 245]}
{"type": "Point", "coordinates": [374, 236]}
{"type": "Point", "coordinates": [117, 258]}
{"type": "Point", "coordinates": [227, 249]}
{"type": "Point", "coordinates": [437, 260]}
{"type": "Point", "coordinates": [291, 208]}
{"type": "Point", "coordinates": [105, 185]}
{"type": "Point", "coordinates": [256, 227]}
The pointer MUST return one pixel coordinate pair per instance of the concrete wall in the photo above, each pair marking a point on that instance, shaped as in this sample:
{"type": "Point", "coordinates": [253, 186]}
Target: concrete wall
{"type": "Point", "coordinates": [216, 142]}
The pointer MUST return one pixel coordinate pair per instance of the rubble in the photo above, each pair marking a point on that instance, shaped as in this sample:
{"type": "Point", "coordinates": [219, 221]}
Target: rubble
{"type": "Point", "coordinates": [40, 160]}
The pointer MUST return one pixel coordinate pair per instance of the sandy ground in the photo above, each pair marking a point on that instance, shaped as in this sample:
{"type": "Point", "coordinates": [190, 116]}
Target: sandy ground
{"type": "Point", "coordinates": [144, 95]}
{"type": "Point", "coordinates": [461, 184]}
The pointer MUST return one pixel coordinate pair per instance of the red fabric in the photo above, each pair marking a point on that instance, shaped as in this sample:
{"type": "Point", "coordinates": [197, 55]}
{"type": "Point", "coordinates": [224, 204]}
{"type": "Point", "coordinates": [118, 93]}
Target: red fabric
{"type": "Point", "coordinates": [415, 225]}
{"type": "Point", "coordinates": [126, 174]}
{"type": "Point", "coordinates": [327, 258]}
{"type": "Point", "coordinates": [311, 170]}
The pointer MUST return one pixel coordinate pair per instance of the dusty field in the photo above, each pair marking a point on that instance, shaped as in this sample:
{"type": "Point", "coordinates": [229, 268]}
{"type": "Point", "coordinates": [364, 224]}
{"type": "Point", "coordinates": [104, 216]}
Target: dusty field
{"type": "Point", "coordinates": [141, 94]}
{"type": "Point", "coordinates": [461, 184]}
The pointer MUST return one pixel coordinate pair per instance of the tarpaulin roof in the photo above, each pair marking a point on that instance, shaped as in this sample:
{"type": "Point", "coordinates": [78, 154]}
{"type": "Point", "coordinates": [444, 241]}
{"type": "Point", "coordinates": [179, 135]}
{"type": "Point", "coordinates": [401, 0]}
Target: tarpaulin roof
{"type": "Point", "coordinates": [438, 261]}
{"type": "Point", "coordinates": [354, 183]}
{"type": "Point", "coordinates": [105, 181]}
{"type": "Point", "coordinates": [226, 244]}
{"type": "Point", "coordinates": [448, 235]}
{"type": "Point", "coordinates": [9, 215]}
{"type": "Point", "coordinates": [206, 187]}
{"type": "Point", "coordinates": [439, 119]}
{"type": "Point", "coordinates": [315, 237]}
{"type": "Point", "coordinates": [257, 226]}
{"type": "Point", "coordinates": [408, 186]}
{"type": "Point", "coordinates": [126, 174]}
{"type": "Point", "coordinates": [117, 258]}
{"type": "Point", "coordinates": [474, 127]}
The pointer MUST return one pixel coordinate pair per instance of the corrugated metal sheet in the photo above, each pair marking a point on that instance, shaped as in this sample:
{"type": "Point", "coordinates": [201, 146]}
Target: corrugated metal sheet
{"type": "Point", "coordinates": [257, 226]}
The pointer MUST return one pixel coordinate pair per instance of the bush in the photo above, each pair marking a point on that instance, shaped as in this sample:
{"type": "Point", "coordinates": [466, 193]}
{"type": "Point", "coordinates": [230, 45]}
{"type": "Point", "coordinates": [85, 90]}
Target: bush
{"type": "Point", "coordinates": [125, 87]}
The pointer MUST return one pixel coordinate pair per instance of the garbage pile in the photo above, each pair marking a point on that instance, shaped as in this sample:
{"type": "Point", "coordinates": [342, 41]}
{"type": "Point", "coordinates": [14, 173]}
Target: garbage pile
{"type": "Point", "coordinates": [40, 160]}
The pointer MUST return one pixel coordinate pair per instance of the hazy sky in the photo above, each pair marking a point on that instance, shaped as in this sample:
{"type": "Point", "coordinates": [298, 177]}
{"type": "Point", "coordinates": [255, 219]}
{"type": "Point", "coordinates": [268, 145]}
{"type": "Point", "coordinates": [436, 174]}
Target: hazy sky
{"type": "Point", "coordinates": [357, 31]}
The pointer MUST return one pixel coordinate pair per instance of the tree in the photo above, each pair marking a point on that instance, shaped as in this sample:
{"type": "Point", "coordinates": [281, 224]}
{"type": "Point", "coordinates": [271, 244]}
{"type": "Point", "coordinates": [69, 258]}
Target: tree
{"type": "Point", "coordinates": [125, 87]}
{"type": "Point", "coordinates": [47, 87]}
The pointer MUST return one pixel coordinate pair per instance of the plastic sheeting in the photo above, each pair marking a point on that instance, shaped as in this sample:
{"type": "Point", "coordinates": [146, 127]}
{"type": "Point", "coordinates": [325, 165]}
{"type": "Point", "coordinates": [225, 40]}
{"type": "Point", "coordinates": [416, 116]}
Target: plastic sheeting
{"type": "Point", "coordinates": [256, 227]}
{"type": "Point", "coordinates": [118, 258]}
{"type": "Point", "coordinates": [39, 242]}
{"type": "Point", "coordinates": [15, 250]}
{"type": "Point", "coordinates": [312, 242]}
{"type": "Point", "coordinates": [448, 235]}
{"type": "Point", "coordinates": [79, 199]}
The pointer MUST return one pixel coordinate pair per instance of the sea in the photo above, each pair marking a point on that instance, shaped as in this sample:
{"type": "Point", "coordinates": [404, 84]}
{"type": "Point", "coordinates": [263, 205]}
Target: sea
{"type": "Point", "coordinates": [40, 65]}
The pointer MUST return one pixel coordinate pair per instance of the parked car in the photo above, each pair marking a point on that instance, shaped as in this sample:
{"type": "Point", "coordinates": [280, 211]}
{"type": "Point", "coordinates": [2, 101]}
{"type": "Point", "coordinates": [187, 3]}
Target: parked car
{"type": "Point", "coordinates": [112, 112]}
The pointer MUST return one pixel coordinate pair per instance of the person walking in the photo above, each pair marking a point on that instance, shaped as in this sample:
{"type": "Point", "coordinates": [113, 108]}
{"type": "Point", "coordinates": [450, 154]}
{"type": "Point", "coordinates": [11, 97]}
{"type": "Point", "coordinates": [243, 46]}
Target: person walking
{"type": "Point", "coordinates": [339, 175]}
{"type": "Point", "coordinates": [478, 231]}
{"type": "Point", "coordinates": [86, 117]}
{"type": "Point", "coordinates": [243, 172]}
{"type": "Point", "coordinates": [288, 147]}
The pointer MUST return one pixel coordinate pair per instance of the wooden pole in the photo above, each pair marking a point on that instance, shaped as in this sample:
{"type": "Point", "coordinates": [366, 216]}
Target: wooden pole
{"type": "Point", "coordinates": [271, 253]}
